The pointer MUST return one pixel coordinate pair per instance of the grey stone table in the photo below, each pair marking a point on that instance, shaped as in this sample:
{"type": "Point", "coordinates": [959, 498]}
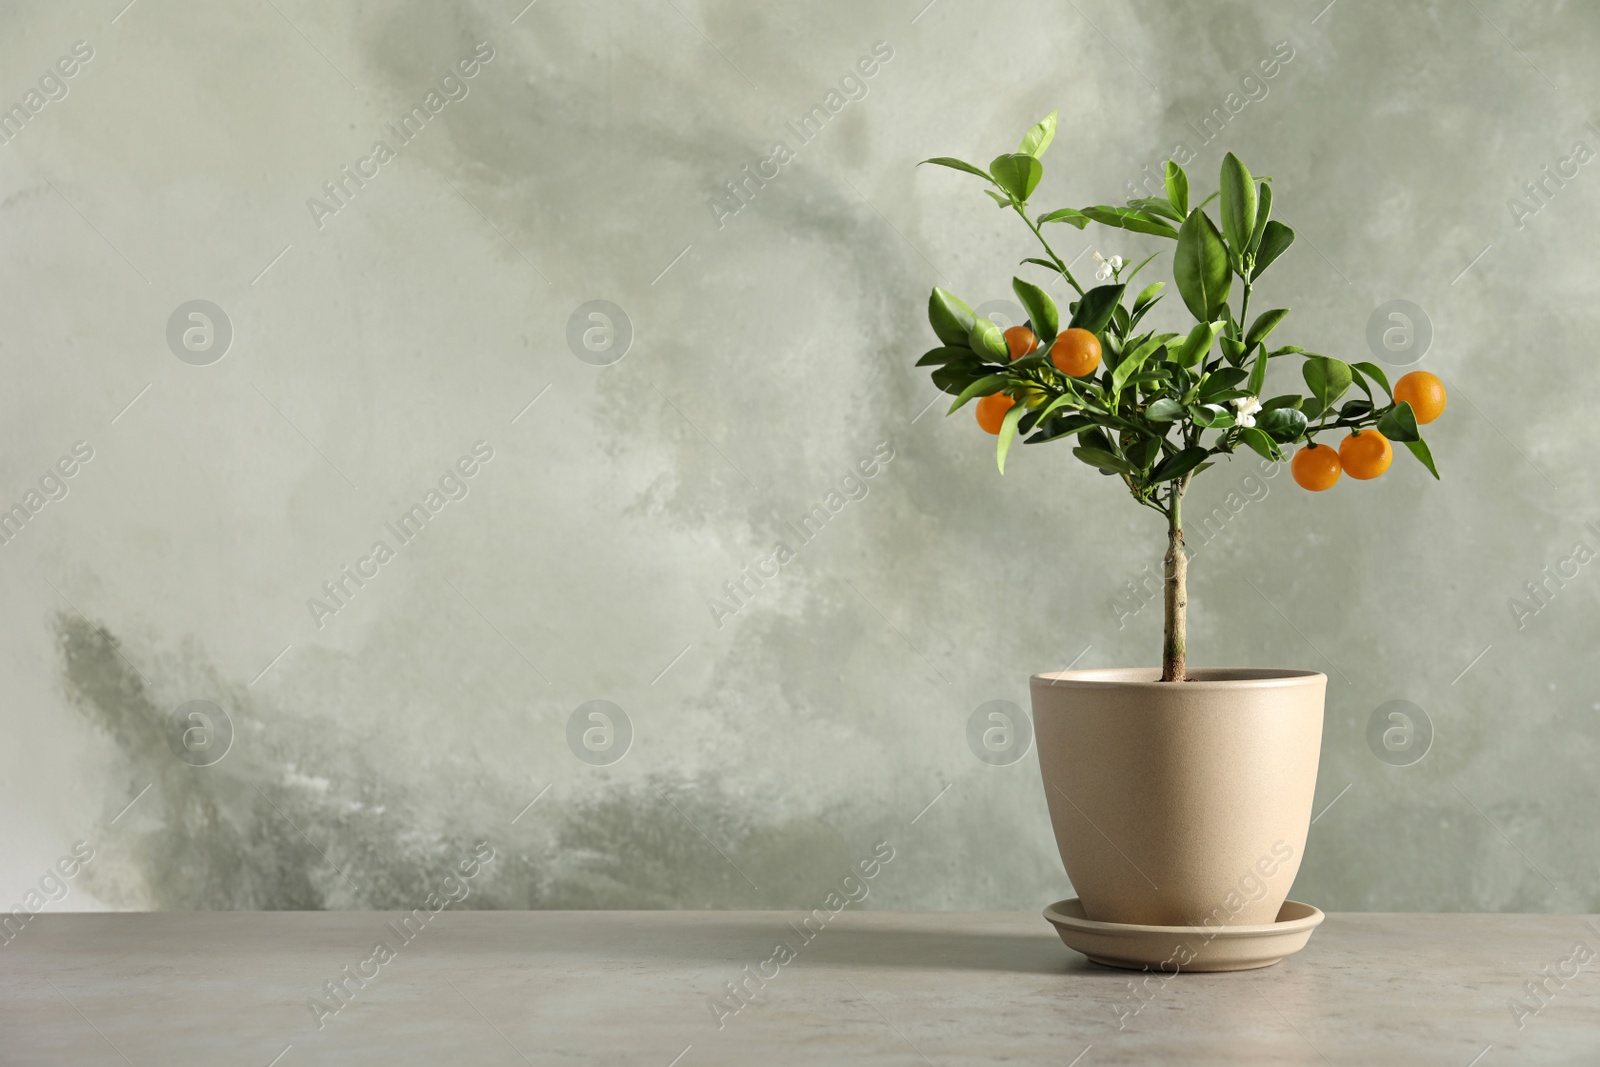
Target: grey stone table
{"type": "Point", "coordinates": [652, 988]}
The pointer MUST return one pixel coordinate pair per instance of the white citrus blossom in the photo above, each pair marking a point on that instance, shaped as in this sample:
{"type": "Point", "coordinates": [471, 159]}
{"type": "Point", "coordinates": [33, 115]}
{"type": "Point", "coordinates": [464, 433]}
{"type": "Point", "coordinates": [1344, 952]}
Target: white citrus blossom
{"type": "Point", "coordinates": [1245, 408]}
{"type": "Point", "coordinates": [1107, 267]}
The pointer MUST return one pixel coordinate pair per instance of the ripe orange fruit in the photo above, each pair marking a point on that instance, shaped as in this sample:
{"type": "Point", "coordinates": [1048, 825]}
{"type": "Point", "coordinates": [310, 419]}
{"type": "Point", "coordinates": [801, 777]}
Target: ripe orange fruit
{"type": "Point", "coordinates": [1424, 392]}
{"type": "Point", "coordinates": [1021, 341]}
{"type": "Point", "coordinates": [1315, 467]}
{"type": "Point", "coordinates": [992, 411]}
{"type": "Point", "coordinates": [1366, 454]}
{"type": "Point", "coordinates": [1076, 352]}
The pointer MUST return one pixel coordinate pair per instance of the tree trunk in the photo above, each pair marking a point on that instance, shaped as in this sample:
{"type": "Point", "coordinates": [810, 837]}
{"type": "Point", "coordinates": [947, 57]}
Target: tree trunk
{"type": "Point", "coordinates": [1177, 595]}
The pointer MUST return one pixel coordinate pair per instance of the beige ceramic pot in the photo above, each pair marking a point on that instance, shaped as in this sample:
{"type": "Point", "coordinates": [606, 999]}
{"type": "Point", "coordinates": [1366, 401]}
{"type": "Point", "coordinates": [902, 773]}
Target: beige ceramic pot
{"type": "Point", "coordinates": [1180, 803]}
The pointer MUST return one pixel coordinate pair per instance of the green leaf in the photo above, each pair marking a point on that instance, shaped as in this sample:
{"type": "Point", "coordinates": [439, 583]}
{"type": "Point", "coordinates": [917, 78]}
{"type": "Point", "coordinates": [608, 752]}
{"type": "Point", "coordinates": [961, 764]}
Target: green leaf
{"type": "Point", "coordinates": [1197, 344]}
{"type": "Point", "coordinates": [1177, 188]}
{"type": "Point", "coordinates": [1373, 371]}
{"type": "Point", "coordinates": [1220, 381]}
{"type": "Point", "coordinates": [1038, 139]}
{"type": "Point", "coordinates": [990, 383]}
{"type": "Point", "coordinates": [1018, 174]}
{"type": "Point", "coordinates": [1178, 464]}
{"type": "Point", "coordinates": [1095, 307]}
{"type": "Point", "coordinates": [1095, 457]}
{"type": "Point", "coordinates": [1147, 296]}
{"type": "Point", "coordinates": [1041, 309]}
{"type": "Point", "coordinates": [1258, 374]}
{"type": "Point", "coordinates": [1134, 273]}
{"type": "Point", "coordinates": [1164, 410]}
{"type": "Point", "coordinates": [1327, 378]}
{"type": "Point", "coordinates": [1287, 400]}
{"type": "Point", "coordinates": [987, 339]}
{"type": "Point", "coordinates": [999, 201]}
{"type": "Point", "coordinates": [1281, 424]}
{"type": "Point", "coordinates": [940, 356]}
{"type": "Point", "coordinates": [1263, 213]}
{"type": "Point", "coordinates": [1156, 205]}
{"type": "Point", "coordinates": [1399, 423]}
{"type": "Point", "coordinates": [1238, 204]}
{"type": "Point", "coordinates": [1045, 263]}
{"type": "Point", "coordinates": [1066, 214]}
{"type": "Point", "coordinates": [1200, 267]}
{"type": "Point", "coordinates": [1265, 323]}
{"type": "Point", "coordinates": [1127, 218]}
{"type": "Point", "coordinates": [1275, 240]}
{"type": "Point", "coordinates": [1256, 439]}
{"type": "Point", "coordinates": [1419, 448]}
{"type": "Point", "coordinates": [1057, 427]}
{"type": "Point", "coordinates": [950, 316]}
{"type": "Point", "coordinates": [957, 164]}
{"type": "Point", "coordinates": [1133, 361]}
{"type": "Point", "coordinates": [1008, 434]}
{"type": "Point", "coordinates": [1233, 350]}
{"type": "Point", "coordinates": [954, 377]}
{"type": "Point", "coordinates": [1211, 415]}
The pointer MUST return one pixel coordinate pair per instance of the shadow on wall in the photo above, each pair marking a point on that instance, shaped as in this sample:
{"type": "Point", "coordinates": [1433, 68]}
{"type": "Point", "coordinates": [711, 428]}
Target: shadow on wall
{"type": "Point", "coordinates": [300, 820]}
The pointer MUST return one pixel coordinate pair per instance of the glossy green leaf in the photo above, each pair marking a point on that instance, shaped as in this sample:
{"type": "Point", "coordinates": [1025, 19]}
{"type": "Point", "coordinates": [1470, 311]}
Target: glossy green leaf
{"type": "Point", "coordinates": [1017, 173]}
{"type": "Point", "coordinates": [987, 339]}
{"type": "Point", "coordinates": [1238, 204]}
{"type": "Point", "coordinates": [1233, 350]}
{"type": "Point", "coordinates": [1265, 323]}
{"type": "Point", "coordinates": [1156, 205]}
{"type": "Point", "coordinates": [989, 383]}
{"type": "Point", "coordinates": [939, 356]}
{"type": "Point", "coordinates": [1263, 214]}
{"type": "Point", "coordinates": [1178, 464]}
{"type": "Point", "coordinates": [1327, 378]}
{"type": "Point", "coordinates": [1147, 296]}
{"type": "Point", "coordinates": [1286, 400]}
{"type": "Point", "coordinates": [1375, 372]}
{"type": "Point", "coordinates": [1419, 448]}
{"type": "Point", "coordinates": [957, 164]}
{"type": "Point", "coordinates": [1196, 345]}
{"type": "Point", "coordinates": [1221, 380]}
{"type": "Point", "coordinates": [1200, 267]}
{"type": "Point", "coordinates": [1177, 188]}
{"type": "Point", "coordinates": [1264, 445]}
{"type": "Point", "coordinates": [1399, 423]}
{"type": "Point", "coordinates": [1275, 240]}
{"type": "Point", "coordinates": [1066, 214]}
{"type": "Point", "coordinates": [1281, 424]}
{"type": "Point", "coordinates": [1127, 218]}
{"type": "Point", "coordinates": [1211, 415]}
{"type": "Point", "coordinates": [1038, 139]}
{"type": "Point", "coordinates": [1258, 374]}
{"type": "Point", "coordinates": [950, 317]}
{"type": "Point", "coordinates": [1355, 409]}
{"type": "Point", "coordinates": [1164, 410]}
{"type": "Point", "coordinates": [1095, 307]}
{"type": "Point", "coordinates": [1103, 460]}
{"type": "Point", "coordinates": [1134, 360]}
{"type": "Point", "coordinates": [952, 378]}
{"type": "Point", "coordinates": [1041, 309]}
{"type": "Point", "coordinates": [1008, 434]}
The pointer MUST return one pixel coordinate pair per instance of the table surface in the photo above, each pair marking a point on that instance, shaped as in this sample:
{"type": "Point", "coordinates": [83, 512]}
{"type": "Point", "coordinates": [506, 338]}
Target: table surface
{"type": "Point", "coordinates": [869, 988]}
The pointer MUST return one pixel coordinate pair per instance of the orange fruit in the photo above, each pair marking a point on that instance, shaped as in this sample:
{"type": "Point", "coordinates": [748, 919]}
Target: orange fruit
{"type": "Point", "coordinates": [1076, 352]}
{"type": "Point", "coordinates": [1021, 341]}
{"type": "Point", "coordinates": [1365, 454]}
{"type": "Point", "coordinates": [1315, 467]}
{"type": "Point", "coordinates": [1424, 392]}
{"type": "Point", "coordinates": [992, 411]}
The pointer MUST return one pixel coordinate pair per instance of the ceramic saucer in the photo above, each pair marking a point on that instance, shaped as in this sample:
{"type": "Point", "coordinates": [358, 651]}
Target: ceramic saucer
{"type": "Point", "coordinates": [1184, 948]}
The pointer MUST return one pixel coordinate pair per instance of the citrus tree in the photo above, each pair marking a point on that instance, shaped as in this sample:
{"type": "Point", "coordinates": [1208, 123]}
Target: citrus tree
{"type": "Point", "coordinates": [1157, 408]}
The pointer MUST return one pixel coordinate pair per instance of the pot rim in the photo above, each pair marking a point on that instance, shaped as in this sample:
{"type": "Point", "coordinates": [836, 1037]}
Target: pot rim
{"type": "Point", "coordinates": [1204, 678]}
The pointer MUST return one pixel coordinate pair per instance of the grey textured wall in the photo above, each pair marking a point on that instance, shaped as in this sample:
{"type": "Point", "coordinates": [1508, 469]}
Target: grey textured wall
{"type": "Point", "coordinates": [378, 339]}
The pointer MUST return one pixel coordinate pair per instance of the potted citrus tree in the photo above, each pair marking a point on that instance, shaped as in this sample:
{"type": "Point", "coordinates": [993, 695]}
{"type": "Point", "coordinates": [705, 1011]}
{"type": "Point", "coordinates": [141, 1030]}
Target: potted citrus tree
{"type": "Point", "coordinates": [1173, 791]}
